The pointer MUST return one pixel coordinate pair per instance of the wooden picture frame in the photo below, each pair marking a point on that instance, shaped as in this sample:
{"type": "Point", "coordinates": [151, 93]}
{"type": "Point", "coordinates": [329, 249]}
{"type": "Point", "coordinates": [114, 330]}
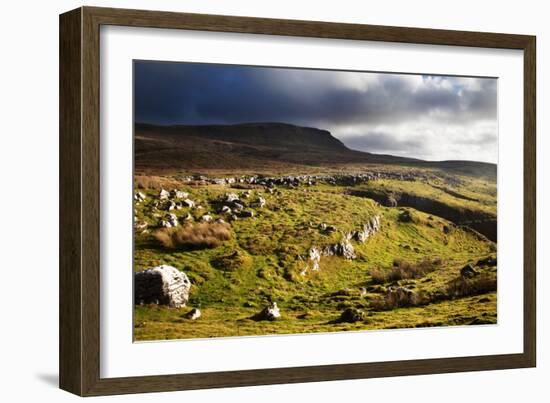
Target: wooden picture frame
{"type": "Point", "coordinates": [80, 198]}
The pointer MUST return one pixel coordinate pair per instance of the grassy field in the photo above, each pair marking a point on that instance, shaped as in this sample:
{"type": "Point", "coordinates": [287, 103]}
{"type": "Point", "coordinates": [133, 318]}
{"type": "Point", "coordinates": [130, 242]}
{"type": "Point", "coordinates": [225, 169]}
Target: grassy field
{"type": "Point", "coordinates": [264, 257]}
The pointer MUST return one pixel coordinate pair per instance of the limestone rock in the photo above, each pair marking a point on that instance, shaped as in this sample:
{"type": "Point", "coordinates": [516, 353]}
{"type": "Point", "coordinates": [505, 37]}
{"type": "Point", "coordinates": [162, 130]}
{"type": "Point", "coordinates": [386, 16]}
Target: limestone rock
{"type": "Point", "coordinates": [237, 206]}
{"type": "Point", "coordinates": [270, 312]}
{"type": "Point", "coordinates": [193, 314]}
{"type": "Point", "coordinates": [314, 258]}
{"type": "Point", "coordinates": [206, 218]}
{"type": "Point", "coordinates": [351, 315]}
{"type": "Point", "coordinates": [246, 214]}
{"type": "Point", "coordinates": [261, 202]}
{"type": "Point", "coordinates": [163, 285]}
{"type": "Point", "coordinates": [231, 197]}
{"type": "Point", "coordinates": [172, 219]}
{"type": "Point", "coordinates": [139, 197]}
{"type": "Point", "coordinates": [189, 203]}
{"type": "Point", "coordinates": [178, 194]}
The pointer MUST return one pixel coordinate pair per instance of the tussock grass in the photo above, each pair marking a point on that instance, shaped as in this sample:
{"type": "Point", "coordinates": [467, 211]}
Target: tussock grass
{"type": "Point", "coordinates": [400, 299]}
{"type": "Point", "coordinates": [154, 182]}
{"type": "Point", "coordinates": [194, 236]}
{"type": "Point", "coordinates": [465, 287]}
{"type": "Point", "coordinates": [402, 270]}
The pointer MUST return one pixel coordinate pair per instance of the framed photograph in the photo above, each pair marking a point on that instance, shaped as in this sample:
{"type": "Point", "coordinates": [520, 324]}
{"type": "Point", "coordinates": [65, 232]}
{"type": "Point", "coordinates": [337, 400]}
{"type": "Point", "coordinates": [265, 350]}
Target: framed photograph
{"type": "Point", "coordinates": [251, 201]}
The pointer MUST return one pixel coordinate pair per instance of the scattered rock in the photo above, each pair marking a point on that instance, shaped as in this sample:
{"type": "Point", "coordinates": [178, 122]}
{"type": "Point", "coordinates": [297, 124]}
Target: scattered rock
{"type": "Point", "coordinates": [139, 197]}
{"type": "Point", "coordinates": [163, 285]}
{"type": "Point", "coordinates": [189, 203]}
{"type": "Point", "coordinates": [246, 214]}
{"type": "Point", "coordinates": [172, 219]}
{"type": "Point", "coordinates": [140, 225]}
{"type": "Point", "coordinates": [330, 229]}
{"type": "Point", "coordinates": [488, 261]}
{"type": "Point", "coordinates": [225, 210]}
{"type": "Point", "coordinates": [261, 202]}
{"type": "Point", "coordinates": [178, 194]}
{"type": "Point", "coordinates": [193, 314]}
{"type": "Point", "coordinates": [164, 194]}
{"type": "Point", "coordinates": [270, 312]}
{"type": "Point", "coordinates": [468, 271]}
{"type": "Point", "coordinates": [351, 315]}
{"type": "Point", "coordinates": [231, 197]}
{"type": "Point", "coordinates": [314, 260]}
{"type": "Point", "coordinates": [206, 218]}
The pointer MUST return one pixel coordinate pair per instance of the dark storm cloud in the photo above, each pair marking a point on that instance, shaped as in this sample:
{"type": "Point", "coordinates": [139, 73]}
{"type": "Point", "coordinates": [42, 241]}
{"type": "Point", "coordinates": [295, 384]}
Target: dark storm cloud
{"type": "Point", "coordinates": [367, 111]}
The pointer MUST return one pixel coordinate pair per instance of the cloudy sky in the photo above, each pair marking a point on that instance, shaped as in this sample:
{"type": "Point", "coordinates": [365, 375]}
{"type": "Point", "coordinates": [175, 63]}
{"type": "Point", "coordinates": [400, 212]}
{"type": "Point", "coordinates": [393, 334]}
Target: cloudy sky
{"type": "Point", "coordinates": [427, 117]}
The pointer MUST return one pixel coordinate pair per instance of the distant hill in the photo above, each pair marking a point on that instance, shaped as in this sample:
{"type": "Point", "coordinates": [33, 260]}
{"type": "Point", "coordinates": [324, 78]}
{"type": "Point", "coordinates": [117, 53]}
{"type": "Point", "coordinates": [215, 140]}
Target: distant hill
{"type": "Point", "coordinates": [264, 146]}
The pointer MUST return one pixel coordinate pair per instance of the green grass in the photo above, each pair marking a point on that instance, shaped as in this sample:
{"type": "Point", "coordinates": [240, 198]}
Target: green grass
{"type": "Point", "coordinates": [272, 248]}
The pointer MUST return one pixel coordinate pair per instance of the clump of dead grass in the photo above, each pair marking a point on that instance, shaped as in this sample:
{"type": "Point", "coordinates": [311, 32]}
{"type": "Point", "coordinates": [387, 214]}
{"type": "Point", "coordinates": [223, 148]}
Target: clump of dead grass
{"type": "Point", "coordinates": [465, 287]}
{"type": "Point", "coordinates": [402, 270]}
{"type": "Point", "coordinates": [194, 236]}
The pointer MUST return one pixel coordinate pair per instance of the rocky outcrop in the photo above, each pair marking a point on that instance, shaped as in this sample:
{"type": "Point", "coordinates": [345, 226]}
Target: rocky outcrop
{"type": "Point", "coordinates": [370, 228]}
{"type": "Point", "coordinates": [314, 259]}
{"type": "Point", "coordinates": [164, 285]}
{"type": "Point", "coordinates": [344, 248]}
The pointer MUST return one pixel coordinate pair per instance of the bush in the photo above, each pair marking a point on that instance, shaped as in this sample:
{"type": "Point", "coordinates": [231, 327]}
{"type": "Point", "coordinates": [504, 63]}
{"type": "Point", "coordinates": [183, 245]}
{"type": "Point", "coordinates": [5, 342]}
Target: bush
{"type": "Point", "coordinates": [402, 270]}
{"type": "Point", "coordinates": [194, 236]}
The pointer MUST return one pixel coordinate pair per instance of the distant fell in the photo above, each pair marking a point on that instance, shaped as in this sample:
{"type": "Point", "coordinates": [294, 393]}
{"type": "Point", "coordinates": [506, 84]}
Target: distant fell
{"type": "Point", "coordinates": [262, 146]}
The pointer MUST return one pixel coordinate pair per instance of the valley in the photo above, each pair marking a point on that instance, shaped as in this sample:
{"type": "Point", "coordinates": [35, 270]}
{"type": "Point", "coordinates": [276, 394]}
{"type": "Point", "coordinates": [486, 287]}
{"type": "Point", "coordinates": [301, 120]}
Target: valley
{"type": "Point", "coordinates": [274, 217]}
